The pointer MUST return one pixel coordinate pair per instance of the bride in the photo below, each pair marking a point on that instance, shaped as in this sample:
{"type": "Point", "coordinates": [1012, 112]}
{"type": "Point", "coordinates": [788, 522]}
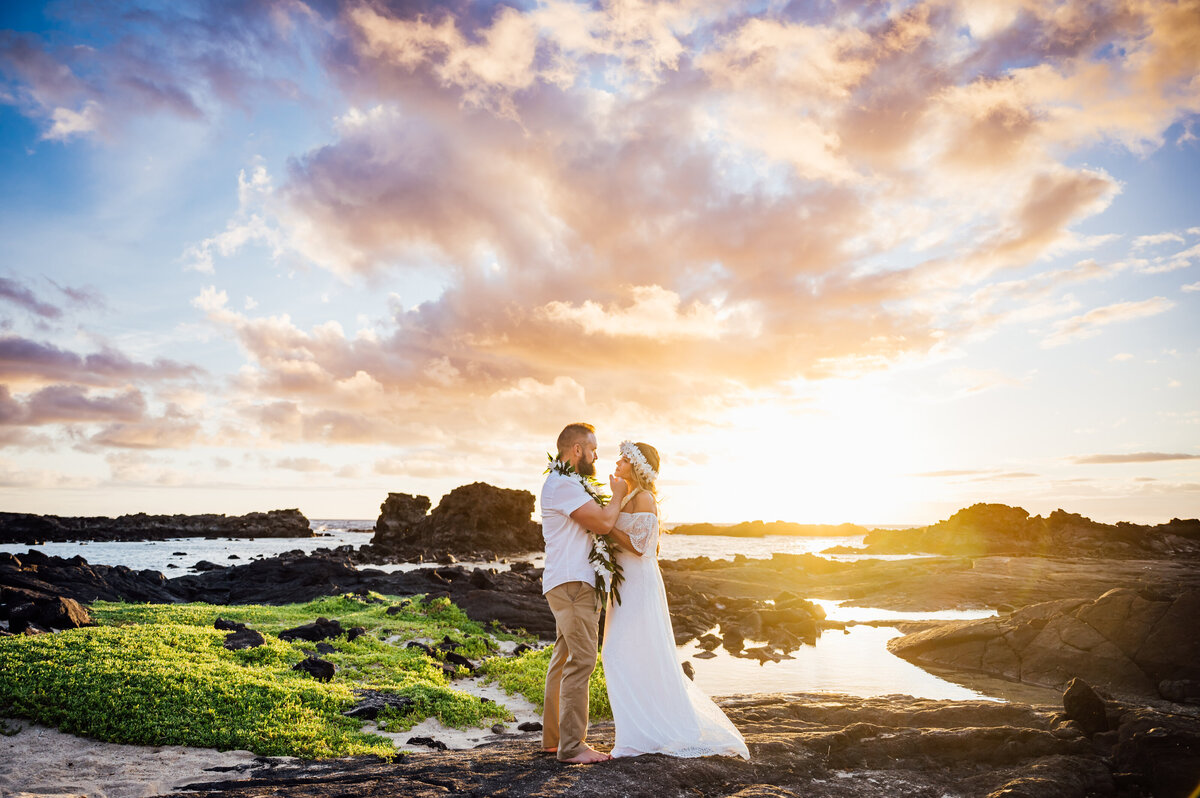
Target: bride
{"type": "Point", "coordinates": [656, 708]}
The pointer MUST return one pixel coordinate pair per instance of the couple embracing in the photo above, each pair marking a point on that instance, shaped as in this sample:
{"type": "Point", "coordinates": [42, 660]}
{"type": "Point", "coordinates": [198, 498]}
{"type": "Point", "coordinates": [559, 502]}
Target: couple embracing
{"type": "Point", "coordinates": [591, 547]}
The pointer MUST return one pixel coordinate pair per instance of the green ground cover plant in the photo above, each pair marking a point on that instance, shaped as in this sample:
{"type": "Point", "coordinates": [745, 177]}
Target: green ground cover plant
{"type": "Point", "coordinates": [159, 674]}
{"type": "Point", "coordinates": [526, 675]}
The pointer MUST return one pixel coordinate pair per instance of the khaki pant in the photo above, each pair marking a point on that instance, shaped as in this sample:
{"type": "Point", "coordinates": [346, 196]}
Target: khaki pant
{"type": "Point", "coordinates": [576, 624]}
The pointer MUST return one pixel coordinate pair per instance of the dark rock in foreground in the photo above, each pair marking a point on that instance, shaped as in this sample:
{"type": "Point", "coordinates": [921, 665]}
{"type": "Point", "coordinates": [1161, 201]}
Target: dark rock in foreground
{"type": "Point", "coordinates": [1126, 641]}
{"type": "Point", "coordinates": [32, 530]}
{"type": "Point", "coordinates": [42, 613]}
{"type": "Point", "coordinates": [320, 669]}
{"type": "Point", "coordinates": [984, 529]}
{"type": "Point", "coordinates": [371, 702]}
{"type": "Point", "coordinates": [37, 576]}
{"type": "Point", "coordinates": [476, 521]}
{"type": "Point", "coordinates": [320, 629]}
{"type": "Point", "coordinates": [813, 745]}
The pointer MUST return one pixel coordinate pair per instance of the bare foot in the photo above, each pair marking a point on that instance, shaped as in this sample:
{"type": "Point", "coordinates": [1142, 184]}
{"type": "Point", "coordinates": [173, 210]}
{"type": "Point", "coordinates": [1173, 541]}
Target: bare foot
{"type": "Point", "coordinates": [550, 750]}
{"type": "Point", "coordinates": [588, 756]}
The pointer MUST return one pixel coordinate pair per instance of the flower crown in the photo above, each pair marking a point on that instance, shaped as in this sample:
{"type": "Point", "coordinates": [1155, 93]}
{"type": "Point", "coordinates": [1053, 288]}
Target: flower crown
{"type": "Point", "coordinates": [631, 452]}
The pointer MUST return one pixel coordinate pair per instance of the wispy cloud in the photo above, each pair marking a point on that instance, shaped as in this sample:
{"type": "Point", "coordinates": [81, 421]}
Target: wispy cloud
{"type": "Point", "coordinates": [303, 464]}
{"type": "Point", "coordinates": [1090, 323]}
{"type": "Point", "coordinates": [1156, 239]}
{"type": "Point", "coordinates": [20, 295]}
{"type": "Point", "coordinates": [1137, 457]}
{"type": "Point", "coordinates": [24, 359]}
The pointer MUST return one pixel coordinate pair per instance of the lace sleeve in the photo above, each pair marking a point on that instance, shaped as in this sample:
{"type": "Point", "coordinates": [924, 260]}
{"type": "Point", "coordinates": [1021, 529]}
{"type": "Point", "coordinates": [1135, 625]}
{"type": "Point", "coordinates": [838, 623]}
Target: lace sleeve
{"type": "Point", "coordinates": [639, 527]}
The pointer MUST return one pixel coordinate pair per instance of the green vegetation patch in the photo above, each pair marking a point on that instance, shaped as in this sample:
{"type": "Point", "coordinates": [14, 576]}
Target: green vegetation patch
{"type": "Point", "coordinates": [159, 674]}
{"type": "Point", "coordinates": [526, 675]}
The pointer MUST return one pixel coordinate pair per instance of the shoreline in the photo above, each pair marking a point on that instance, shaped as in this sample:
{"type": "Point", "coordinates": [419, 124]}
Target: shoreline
{"type": "Point", "coordinates": [820, 745]}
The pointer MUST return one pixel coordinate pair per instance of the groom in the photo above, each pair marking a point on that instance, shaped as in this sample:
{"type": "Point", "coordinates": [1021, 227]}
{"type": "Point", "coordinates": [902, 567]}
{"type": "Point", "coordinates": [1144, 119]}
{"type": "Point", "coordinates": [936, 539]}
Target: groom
{"type": "Point", "coordinates": [568, 513]}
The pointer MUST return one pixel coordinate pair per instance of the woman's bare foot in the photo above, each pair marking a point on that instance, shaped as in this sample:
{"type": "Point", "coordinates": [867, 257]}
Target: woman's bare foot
{"type": "Point", "coordinates": [588, 756]}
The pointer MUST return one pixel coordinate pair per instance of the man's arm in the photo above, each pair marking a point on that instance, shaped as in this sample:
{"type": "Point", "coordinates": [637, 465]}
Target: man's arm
{"type": "Point", "coordinates": [599, 520]}
{"type": "Point", "coordinates": [642, 503]}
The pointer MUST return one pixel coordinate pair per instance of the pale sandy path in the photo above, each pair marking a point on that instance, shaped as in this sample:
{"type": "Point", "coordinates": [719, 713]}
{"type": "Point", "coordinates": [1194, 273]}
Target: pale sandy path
{"type": "Point", "coordinates": [40, 761]}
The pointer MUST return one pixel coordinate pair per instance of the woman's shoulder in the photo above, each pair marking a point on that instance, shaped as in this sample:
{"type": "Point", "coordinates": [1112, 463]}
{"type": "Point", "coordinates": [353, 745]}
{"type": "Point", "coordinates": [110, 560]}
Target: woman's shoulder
{"type": "Point", "coordinates": [643, 503]}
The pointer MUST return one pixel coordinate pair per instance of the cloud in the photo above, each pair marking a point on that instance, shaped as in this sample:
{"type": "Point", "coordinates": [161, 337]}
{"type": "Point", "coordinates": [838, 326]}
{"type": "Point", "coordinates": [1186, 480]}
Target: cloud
{"type": "Point", "coordinates": [1007, 475]}
{"type": "Point", "coordinates": [26, 359]}
{"type": "Point", "coordinates": [1191, 287]}
{"type": "Point", "coordinates": [1156, 239]}
{"type": "Point", "coordinates": [66, 122]}
{"type": "Point", "coordinates": [964, 381]}
{"type": "Point", "coordinates": [167, 432]}
{"type": "Point", "coordinates": [21, 475]}
{"type": "Point", "coordinates": [14, 292]}
{"type": "Point", "coordinates": [654, 313]}
{"type": "Point", "coordinates": [139, 468]}
{"type": "Point", "coordinates": [649, 210]}
{"type": "Point", "coordinates": [156, 60]}
{"type": "Point", "coordinates": [74, 403]}
{"type": "Point", "coordinates": [1138, 457]}
{"type": "Point", "coordinates": [1089, 324]}
{"type": "Point", "coordinates": [303, 464]}
{"type": "Point", "coordinates": [248, 226]}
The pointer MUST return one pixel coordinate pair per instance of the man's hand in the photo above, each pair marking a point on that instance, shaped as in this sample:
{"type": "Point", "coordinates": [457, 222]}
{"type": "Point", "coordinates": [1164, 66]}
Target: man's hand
{"type": "Point", "coordinates": [594, 518]}
{"type": "Point", "coordinates": [618, 487]}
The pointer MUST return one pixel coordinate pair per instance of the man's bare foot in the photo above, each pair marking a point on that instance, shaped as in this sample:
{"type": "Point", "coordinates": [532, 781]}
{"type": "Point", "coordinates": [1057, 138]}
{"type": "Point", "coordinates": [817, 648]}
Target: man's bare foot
{"type": "Point", "coordinates": [550, 750]}
{"type": "Point", "coordinates": [588, 756]}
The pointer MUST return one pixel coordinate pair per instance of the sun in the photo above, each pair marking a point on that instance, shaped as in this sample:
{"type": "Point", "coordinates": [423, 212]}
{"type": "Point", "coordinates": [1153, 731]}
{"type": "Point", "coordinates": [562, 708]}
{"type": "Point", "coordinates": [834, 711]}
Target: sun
{"type": "Point", "coordinates": [840, 458]}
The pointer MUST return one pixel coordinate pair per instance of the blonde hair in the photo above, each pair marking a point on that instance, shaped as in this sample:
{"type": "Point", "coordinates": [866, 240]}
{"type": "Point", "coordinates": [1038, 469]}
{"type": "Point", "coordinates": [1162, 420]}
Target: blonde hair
{"type": "Point", "coordinates": [652, 457]}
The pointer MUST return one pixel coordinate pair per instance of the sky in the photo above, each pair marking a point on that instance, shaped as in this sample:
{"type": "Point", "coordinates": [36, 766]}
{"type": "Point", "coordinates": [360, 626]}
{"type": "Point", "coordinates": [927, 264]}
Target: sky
{"type": "Point", "coordinates": [838, 261]}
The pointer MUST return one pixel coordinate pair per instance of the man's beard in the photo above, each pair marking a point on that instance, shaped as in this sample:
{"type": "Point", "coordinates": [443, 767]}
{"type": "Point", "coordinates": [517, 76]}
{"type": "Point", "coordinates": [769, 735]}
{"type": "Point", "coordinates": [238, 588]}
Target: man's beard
{"type": "Point", "coordinates": [586, 468]}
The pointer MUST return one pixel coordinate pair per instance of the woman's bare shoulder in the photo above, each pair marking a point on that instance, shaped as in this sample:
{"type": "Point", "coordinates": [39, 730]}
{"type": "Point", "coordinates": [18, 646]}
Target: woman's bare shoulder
{"type": "Point", "coordinates": [643, 503]}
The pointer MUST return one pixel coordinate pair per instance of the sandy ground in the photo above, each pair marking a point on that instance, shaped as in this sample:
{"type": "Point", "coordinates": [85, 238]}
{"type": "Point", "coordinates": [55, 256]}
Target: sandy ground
{"type": "Point", "coordinates": [46, 763]}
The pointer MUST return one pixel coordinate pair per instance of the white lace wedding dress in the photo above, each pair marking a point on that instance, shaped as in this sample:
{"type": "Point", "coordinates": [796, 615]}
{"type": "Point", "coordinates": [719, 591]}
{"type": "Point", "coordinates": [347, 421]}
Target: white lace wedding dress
{"type": "Point", "coordinates": [657, 709]}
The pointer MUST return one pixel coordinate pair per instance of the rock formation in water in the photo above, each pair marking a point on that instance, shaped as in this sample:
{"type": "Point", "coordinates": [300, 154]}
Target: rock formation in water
{"type": "Point", "coordinates": [476, 521]}
{"type": "Point", "coordinates": [1130, 642]}
{"type": "Point", "coordinates": [984, 529]}
{"type": "Point", "coordinates": [31, 530]}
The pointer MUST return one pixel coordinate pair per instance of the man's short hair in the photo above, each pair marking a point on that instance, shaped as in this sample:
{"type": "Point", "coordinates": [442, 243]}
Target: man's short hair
{"type": "Point", "coordinates": [573, 434]}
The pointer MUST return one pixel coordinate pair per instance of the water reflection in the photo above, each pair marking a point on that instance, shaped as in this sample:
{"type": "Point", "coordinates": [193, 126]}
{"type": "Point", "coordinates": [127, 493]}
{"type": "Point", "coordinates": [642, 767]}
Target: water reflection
{"type": "Point", "coordinates": [855, 662]}
{"type": "Point", "coordinates": [837, 611]}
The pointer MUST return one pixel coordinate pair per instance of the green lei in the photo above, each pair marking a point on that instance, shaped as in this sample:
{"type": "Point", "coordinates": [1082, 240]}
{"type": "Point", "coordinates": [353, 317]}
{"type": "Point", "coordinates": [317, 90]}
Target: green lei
{"type": "Point", "coordinates": [603, 555]}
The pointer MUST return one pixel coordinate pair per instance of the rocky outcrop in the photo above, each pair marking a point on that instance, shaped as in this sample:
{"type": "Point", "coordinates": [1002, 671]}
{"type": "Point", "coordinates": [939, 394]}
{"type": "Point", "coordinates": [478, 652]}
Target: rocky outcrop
{"type": "Point", "coordinates": [1127, 641]}
{"type": "Point", "coordinates": [757, 529]}
{"type": "Point", "coordinates": [476, 521]}
{"type": "Point", "coordinates": [43, 614]}
{"type": "Point", "coordinates": [812, 745]}
{"type": "Point", "coordinates": [37, 575]}
{"type": "Point", "coordinates": [929, 583]}
{"type": "Point", "coordinates": [31, 530]}
{"type": "Point", "coordinates": [984, 529]}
